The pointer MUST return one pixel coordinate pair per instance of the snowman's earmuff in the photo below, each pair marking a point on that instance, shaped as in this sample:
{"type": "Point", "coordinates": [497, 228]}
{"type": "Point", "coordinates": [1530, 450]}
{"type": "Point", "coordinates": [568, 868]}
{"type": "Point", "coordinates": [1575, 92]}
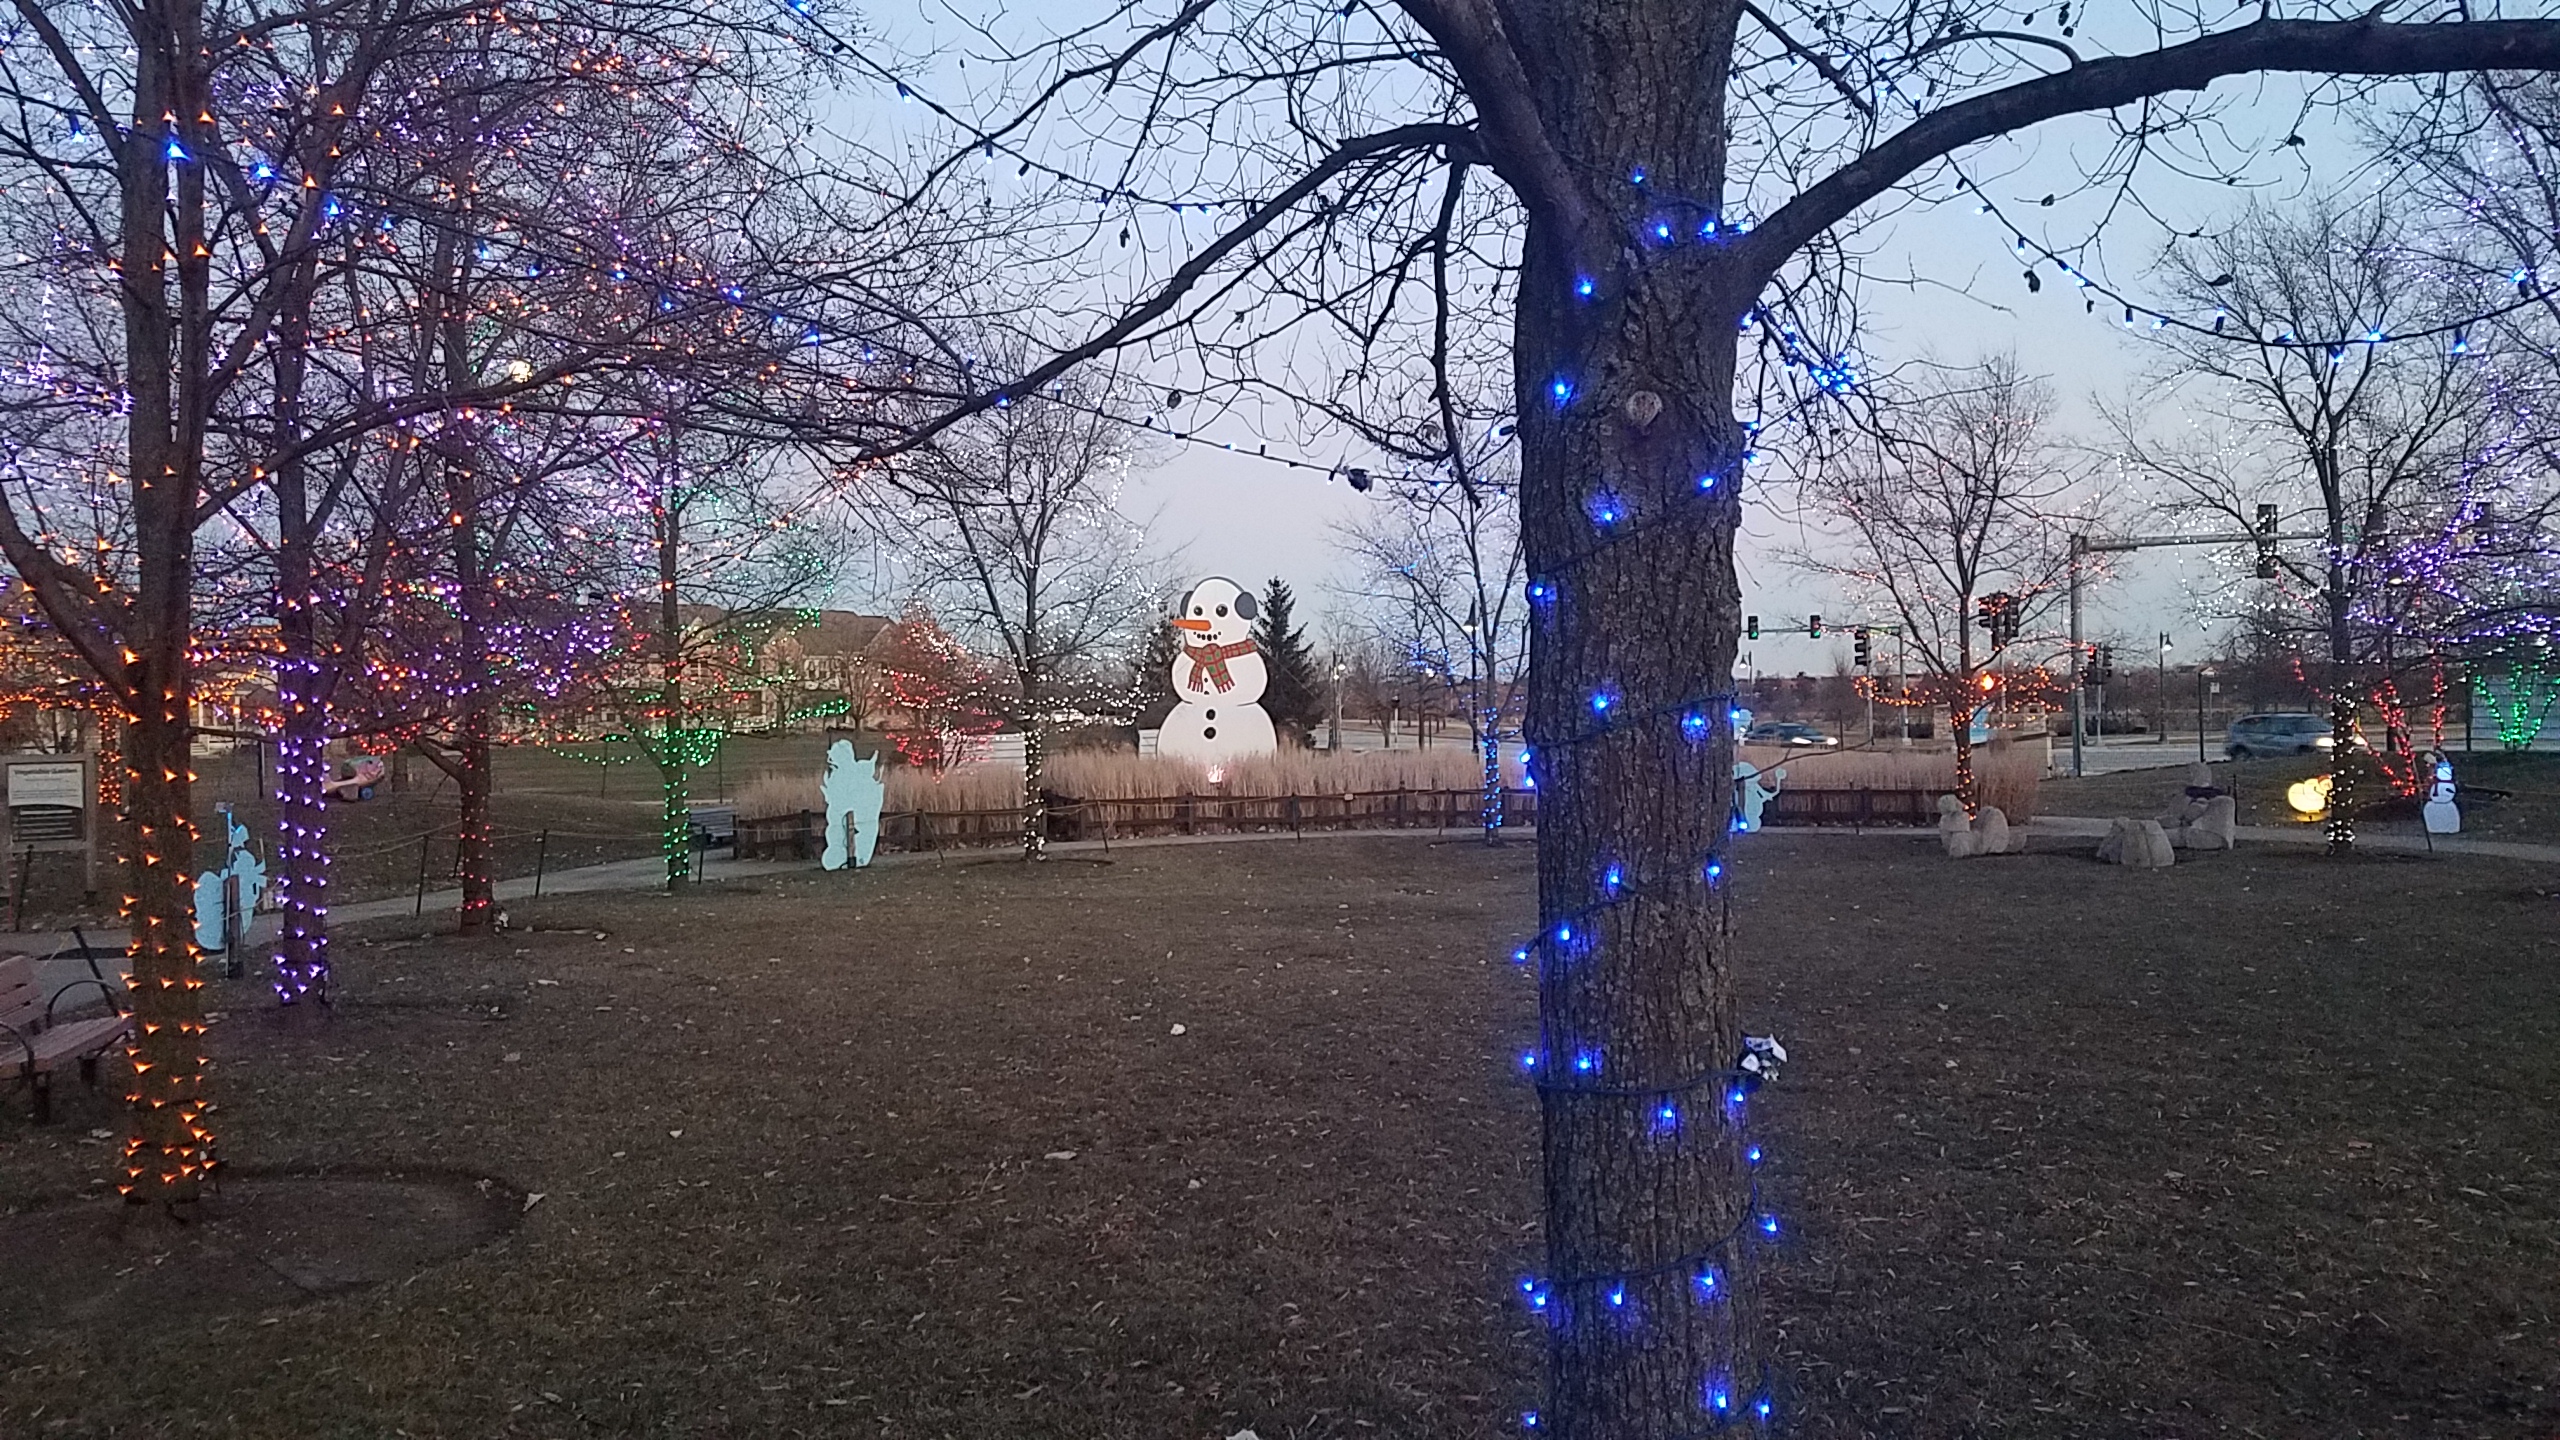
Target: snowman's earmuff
{"type": "Point", "coordinates": [1244, 604]}
{"type": "Point", "coordinates": [1183, 604]}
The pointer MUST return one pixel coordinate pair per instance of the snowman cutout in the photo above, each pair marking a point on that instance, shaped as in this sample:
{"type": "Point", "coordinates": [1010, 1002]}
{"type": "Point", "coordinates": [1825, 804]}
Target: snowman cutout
{"type": "Point", "coordinates": [2443, 817]}
{"type": "Point", "coordinates": [1218, 680]}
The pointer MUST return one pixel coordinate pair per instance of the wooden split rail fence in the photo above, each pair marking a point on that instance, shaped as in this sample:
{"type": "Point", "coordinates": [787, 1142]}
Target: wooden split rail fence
{"type": "Point", "coordinates": [802, 834]}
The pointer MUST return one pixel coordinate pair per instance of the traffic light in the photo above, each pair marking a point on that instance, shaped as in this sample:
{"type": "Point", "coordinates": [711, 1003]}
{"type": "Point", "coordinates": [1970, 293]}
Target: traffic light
{"type": "Point", "coordinates": [2266, 537]}
{"type": "Point", "coordinates": [1864, 653]}
{"type": "Point", "coordinates": [2104, 669]}
{"type": "Point", "coordinates": [1813, 626]}
{"type": "Point", "coordinates": [1751, 627]}
{"type": "Point", "coordinates": [1999, 611]}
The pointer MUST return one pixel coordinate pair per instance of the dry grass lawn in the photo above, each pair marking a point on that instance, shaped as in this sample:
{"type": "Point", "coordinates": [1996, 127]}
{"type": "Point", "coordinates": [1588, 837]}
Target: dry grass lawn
{"type": "Point", "coordinates": [2258, 1146]}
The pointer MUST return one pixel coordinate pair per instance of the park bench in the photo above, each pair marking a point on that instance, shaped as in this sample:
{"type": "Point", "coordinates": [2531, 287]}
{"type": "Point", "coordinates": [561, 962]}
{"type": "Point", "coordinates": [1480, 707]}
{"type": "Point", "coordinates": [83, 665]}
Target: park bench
{"type": "Point", "coordinates": [711, 827]}
{"type": "Point", "coordinates": [35, 1043]}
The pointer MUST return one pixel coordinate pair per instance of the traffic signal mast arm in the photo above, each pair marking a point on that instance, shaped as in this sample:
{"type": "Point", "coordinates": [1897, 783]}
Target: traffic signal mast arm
{"type": "Point", "coordinates": [2090, 545]}
{"type": "Point", "coordinates": [2265, 538]}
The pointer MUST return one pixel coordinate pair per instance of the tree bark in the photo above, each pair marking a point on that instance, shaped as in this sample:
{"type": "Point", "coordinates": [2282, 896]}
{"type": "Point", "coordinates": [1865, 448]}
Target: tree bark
{"type": "Point", "coordinates": [302, 766]}
{"type": "Point", "coordinates": [674, 741]}
{"type": "Point", "coordinates": [169, 1149]}
{"type": "Point", "coordinates": [2337, 600]}
{"type": "Point", "coordinates": [472, 858]}
{"type": "Point", "coordinates": [1035, 799]}
{"type": "Point", "coordinates": [1635, 621]}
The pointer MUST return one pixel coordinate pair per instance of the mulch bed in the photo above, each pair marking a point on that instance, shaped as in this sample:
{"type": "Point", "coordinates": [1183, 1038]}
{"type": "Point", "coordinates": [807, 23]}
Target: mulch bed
{"type": "Point", "coordinates": [2255, 1146]}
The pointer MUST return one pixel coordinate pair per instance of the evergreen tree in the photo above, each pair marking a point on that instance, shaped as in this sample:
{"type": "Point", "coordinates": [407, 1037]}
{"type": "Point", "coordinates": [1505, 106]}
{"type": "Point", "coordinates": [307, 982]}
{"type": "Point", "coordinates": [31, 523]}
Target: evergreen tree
{"type": "Point", "coordinates": [1154, 686]}
{"type": "Point", "coordinates": [1294, 700]}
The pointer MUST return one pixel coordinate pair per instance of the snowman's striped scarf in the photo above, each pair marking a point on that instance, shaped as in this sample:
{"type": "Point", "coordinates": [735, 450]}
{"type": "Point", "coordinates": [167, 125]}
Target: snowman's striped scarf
{"type": "Point", "coordinates": [1209, 664]}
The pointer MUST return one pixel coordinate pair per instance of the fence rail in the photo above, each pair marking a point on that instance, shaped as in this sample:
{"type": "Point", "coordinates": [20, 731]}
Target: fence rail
{"type": "Point", "coordinates": [1107, 820]}
{"type": "Point", "coordinates": [798, 835]}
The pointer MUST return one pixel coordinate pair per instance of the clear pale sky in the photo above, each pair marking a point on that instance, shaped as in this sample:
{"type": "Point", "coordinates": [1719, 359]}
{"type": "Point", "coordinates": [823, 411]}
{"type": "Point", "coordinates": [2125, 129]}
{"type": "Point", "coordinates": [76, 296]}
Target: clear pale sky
{"type": "Point", "coordinates": [1234, 515]}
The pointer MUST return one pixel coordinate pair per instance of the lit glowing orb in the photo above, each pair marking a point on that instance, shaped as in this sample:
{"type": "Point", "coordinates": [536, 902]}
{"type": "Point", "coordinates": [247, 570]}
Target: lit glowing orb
{"type": "Point", "coordinates": [2309, 798]}
{"type": "Point", "coordinates": [1217, 774]}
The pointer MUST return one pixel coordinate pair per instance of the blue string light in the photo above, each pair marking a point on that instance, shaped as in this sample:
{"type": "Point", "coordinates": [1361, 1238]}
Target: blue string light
{"type": "Point", "coordinates": [1557, 1066]}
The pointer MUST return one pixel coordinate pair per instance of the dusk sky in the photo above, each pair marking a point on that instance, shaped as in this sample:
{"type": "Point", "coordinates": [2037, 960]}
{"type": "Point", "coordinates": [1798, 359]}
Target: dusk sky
{"type": "Point", "coordinates": [1250, 519]}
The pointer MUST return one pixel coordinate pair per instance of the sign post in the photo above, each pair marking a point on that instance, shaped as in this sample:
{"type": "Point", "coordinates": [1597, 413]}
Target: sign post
{"type": "Point", "coordinates": [51, 802]}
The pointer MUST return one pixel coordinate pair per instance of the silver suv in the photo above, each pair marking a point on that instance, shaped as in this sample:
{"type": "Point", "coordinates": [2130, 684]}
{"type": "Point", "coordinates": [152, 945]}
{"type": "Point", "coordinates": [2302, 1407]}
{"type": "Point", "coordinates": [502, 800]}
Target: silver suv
{"type": "Point", "coordinates": [2286, 734]}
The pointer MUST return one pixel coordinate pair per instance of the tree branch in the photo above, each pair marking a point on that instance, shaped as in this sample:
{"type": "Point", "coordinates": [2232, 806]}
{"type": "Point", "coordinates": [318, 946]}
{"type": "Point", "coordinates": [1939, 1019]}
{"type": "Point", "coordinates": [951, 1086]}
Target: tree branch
{"type": "Point", "coordinates": [1458, 138]}
{"type": "Point", "coordinates": [1473, 40]}
{"type": "Point", "coordinates": [2328, 47]}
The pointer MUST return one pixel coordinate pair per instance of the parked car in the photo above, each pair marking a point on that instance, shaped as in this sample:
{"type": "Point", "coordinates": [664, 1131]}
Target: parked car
{"type": "Point", "coordinates": [355, 779]}
{"type": "Point", "coordinates": [1787, 732]}
{"type": "Point", "coordinates": [2253, 736]}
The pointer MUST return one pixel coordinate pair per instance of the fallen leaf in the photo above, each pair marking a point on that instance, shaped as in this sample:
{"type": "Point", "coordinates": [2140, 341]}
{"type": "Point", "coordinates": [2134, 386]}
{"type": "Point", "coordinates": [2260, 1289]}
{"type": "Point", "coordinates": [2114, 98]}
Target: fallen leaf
{"type": "Point", "coordinates": [1059, 1155]}
{"type": "Point", "coordinates": [1181, 1030]}
{"type": "Point", "coordinates": [533, 1199]}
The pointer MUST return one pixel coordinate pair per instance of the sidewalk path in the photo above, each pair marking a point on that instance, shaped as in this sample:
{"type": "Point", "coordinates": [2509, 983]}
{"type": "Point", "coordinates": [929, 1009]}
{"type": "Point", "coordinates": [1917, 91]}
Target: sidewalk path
{"type": "Point", "coordinates": [2095, 827]}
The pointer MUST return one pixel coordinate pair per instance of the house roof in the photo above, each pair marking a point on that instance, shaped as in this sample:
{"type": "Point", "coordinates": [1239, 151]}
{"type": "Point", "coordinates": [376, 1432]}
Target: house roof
{"type": "Point", "coordinates": [835, 632]}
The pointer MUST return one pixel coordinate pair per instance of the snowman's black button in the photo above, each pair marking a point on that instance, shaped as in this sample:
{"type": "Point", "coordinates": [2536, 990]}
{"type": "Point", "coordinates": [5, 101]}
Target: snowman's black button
{"type": "Point", "coordinates": [1213, 715]}
{"type": "Point", "coordinates": [1208, 732]}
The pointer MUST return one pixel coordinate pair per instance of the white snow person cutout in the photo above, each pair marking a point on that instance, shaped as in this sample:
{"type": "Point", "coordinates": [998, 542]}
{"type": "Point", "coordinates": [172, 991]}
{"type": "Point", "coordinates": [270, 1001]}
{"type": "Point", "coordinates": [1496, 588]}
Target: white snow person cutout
{"type": "Point", "coordinates": [1218, 680]}
{"type": "Point", "coordinates": [2443, 817]}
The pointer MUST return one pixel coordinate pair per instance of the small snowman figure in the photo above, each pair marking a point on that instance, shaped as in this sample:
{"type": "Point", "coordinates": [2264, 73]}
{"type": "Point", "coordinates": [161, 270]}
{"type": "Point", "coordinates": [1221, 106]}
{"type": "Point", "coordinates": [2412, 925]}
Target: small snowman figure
{"type": "Point", "coordinates": [1750, 797]}
{"type": "Point", "coordinates": [2443, 817]}
{"type": "Point", "coordinates": [854, 793]}
{"type": "Point", "coordinates": [1218, 680]}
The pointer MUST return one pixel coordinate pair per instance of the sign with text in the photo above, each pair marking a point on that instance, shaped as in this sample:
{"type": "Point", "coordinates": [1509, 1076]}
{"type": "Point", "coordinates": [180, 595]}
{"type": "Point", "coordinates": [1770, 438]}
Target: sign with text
{"type": "Point", "coordinates": [48, 782]}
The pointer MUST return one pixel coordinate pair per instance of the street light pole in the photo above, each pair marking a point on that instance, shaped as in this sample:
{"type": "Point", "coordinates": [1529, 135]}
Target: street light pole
{"type": "Point", "coordinates": [2162, 707]}
{"type": "Point", "coordinates": [2079, 716]}
{"type": "Point", "coordinates": [1333, 722]}
{"type": "Point", "coordinates": [2203, 673]}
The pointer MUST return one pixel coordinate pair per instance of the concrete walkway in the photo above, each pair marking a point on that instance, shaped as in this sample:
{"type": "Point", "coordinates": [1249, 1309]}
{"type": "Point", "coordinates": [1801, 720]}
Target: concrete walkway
{"type": "Point", "coordinates": [2095, 827]}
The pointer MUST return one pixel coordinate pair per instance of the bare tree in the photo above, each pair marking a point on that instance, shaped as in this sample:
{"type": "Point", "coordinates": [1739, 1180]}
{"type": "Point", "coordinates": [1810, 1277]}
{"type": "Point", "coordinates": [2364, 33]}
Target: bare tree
{"type": "Point", "coordinates": [169, 271]}
{"type": "Point", "coordinates": [1961, 496]}
{"type": "Point", "coordinates": [1657, 181]}
{"type": "Point", "coordinates": [2420, 463]}
{"type": "Point", "coordinates": [1020, 543]}
{"type": "Point", "coordinates": [1437, 574]}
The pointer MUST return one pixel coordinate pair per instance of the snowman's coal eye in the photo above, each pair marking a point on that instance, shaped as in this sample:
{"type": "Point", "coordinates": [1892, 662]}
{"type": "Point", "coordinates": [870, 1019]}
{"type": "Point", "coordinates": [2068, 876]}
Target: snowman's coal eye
{"type": "Point", "coordinates": [1222, 609]}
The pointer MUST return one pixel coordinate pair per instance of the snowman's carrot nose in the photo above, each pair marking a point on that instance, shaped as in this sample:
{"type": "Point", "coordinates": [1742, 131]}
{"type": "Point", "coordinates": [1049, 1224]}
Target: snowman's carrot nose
{"type": "Point", "coordinates": [1187, 623]}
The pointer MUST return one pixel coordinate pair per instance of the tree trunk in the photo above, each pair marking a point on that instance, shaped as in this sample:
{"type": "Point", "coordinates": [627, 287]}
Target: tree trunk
{"type": "Point", "coordinates": [2341, 826]}
{"type": "Point", "coordinates": [302, 765]}
{"type": "Point", "coordinates": [168, 1149]}
{"type": "Point", "coordinates": [472, 858]}
{"type": "Point", "coordinates": [474, 854]}
{"type": "Point", "coordinates": [302, 850]}
{"type": "Point", "coordinates": [674, 740]}
{"type": "Point", "coordinates": [1035, 799]}
{"type": "Point", "coordinates": [1635, 622]}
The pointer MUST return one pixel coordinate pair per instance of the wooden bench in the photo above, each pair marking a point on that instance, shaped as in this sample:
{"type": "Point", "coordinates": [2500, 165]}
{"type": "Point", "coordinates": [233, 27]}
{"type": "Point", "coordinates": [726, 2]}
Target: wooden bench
{"type": "Point", "coordinates": [711, 827]}
{"type": "Point", "coordinates": [34, 1043]}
